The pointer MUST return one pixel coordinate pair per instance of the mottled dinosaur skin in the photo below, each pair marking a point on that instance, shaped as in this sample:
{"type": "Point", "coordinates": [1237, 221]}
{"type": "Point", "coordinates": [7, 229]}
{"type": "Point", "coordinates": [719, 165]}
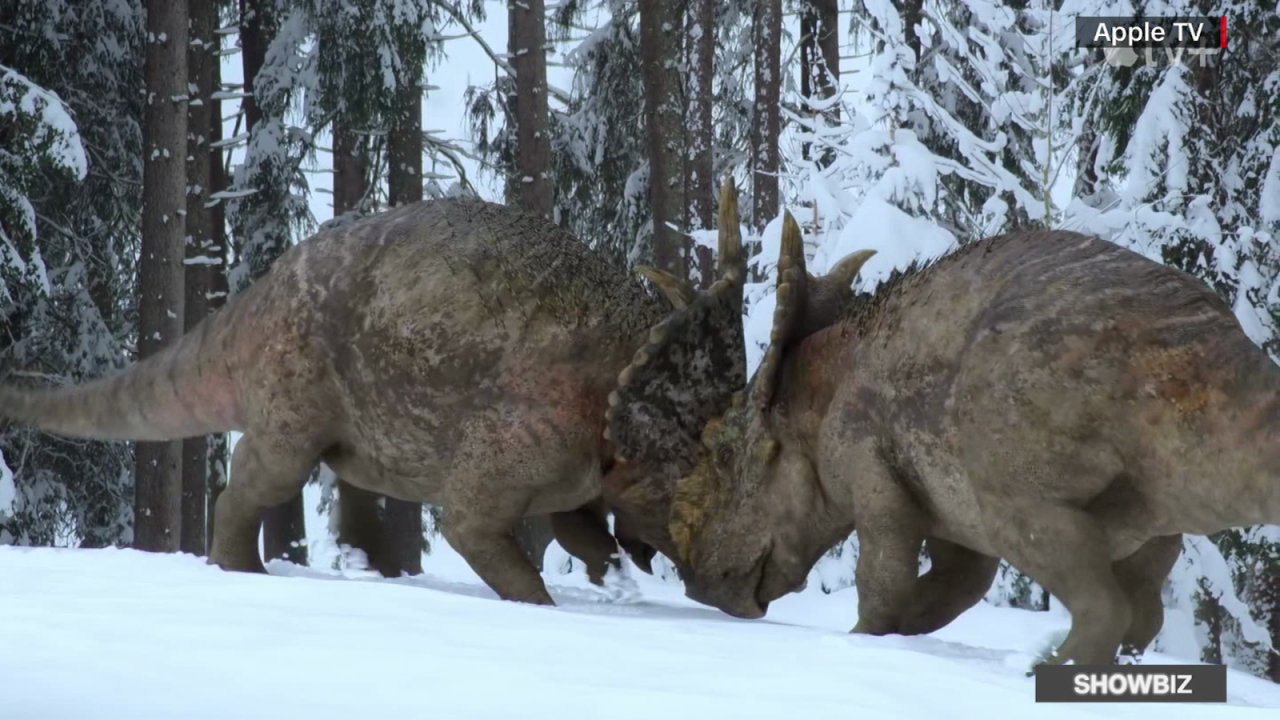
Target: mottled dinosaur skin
{"type": "Point", "coordinates": [1044, 397]}
{"type": "Point", "coordinates": [454, 352]}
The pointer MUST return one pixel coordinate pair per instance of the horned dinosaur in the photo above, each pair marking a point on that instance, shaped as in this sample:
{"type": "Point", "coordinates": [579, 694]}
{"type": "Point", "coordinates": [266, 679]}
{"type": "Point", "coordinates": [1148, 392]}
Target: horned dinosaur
{"type": "Point", "coordinates": [1044, 397]}
{"type": "Point", "coordinates": [455, 352]}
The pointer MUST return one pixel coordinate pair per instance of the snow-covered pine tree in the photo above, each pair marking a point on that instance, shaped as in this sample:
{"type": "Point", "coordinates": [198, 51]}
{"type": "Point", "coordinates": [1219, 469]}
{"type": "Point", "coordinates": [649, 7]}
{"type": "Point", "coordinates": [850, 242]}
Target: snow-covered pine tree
{"type": "Point", "coordinates": [599, 162]}
{"type": "Point", "coordinates": [599, 159]}
{"type": "Point", "coordinates": [71, 174]}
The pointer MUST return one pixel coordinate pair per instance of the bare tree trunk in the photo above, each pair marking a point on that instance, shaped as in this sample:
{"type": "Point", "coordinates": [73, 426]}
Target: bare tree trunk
{"type": "Point", "coordinates": [528, 37]}
{"type": "Point", "coordinates": [218, 452]}
{"type": "Point", "coordinates": [661, 23]}
{"type": "Point", "coordinates": [284, 529]}
{"type": "Point", "coordinates": [350, 168]}
{"type": "Point", "coordinates": [766, 121]}
{"type": "Point", "coordinates": [158, 492]}
{"type": "Point", "coordinates": [401, 520]}
{"type": "Point", "coordinates": [829, 48]}
{"type": "Point", "coordinates": [808, 53]}
{"type": "Point", "coordinates": [199, 250]}
{"type": "Point", "coordinates": [258, 25]}
{"type": "Point", "coordinates": [699, 183]}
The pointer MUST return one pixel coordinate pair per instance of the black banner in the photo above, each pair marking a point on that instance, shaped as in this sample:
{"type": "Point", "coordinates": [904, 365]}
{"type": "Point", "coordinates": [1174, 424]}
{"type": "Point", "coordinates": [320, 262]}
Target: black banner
{"type": "Point", "coordinates": [1132, 683]}
{"type": "Point", "coordinates": [1169, 32]}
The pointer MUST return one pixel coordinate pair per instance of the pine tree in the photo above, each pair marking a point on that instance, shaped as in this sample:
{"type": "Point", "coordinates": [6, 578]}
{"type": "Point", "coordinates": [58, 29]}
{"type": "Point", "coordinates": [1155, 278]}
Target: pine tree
{"type": "Point", "coordinates": [68, 269]}
{"type": "Point", "coordinates": [527, 21]}
{"type": "Point", "coordinates": [203, 243]}
{"type": "Point", "coordinates": [699, 162]}
{"type": "Point", "coordinates": [219, 246]}
{"type": "Point", "coordinates": [820, 67]}
{"type": "Point", "coordinates": [158, 467]}
{"type": "Point", "coordinates": [766, 113]}
{"type": "Point", "coordinates": [661, 24]}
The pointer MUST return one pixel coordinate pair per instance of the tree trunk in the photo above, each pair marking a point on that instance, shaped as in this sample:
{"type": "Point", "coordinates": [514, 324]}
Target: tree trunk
{"type": "Point", "coordinates": [529, 186]}
{"type": "Point", "coordinates": [201, 112]}
{"type": "Point", "coordinates": [283, 526]}
{"type": "Point", "coordinates": [808, 54]}
{"type": "Point", "coordinates": [829, 49]}
{"type": "Point", "coordinates": [661, 23]}
{"type": "Point", "coordinates": [218, 452]}
{"type": "Point", "coordinates": [699, 183]}
{"type": "Point", "coordinates": [912, 14]}
{"type": "Point", "coordinates": [401, 520]}
{"type": "Point", "coordinates": [527, 35]}
{"type": "Point", "coordinates": [820, 65]}
{"type": "Point", "coordinates": [158, 490]}
{"type": "Point", "coordinates": [766, 121]}
{"type": "Point", "coordinates": [350, 168]}
{"type": "Point", "coordinates": [258, 24]}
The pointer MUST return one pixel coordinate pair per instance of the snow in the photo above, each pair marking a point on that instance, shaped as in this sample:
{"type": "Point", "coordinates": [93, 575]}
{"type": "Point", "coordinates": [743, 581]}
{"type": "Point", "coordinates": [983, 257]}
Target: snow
{"type": "Point", "coordinates": [18, 94]}
{"type": "Point", "coordinates": [898, 239]}
{"type": "Point", "coordinates": [8, 491]}
{"type": "Point", "coordinates": [114, 633]}
{"type": "Point", "coordinates": [1269, 198]}
{"type": "Point", "coordinates": [1157, 149]}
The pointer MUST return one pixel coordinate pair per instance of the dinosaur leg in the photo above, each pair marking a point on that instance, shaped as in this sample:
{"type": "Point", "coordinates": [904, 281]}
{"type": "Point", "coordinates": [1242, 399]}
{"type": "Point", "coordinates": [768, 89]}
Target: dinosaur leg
{"type": "Point", "coordinates": [890, 533]}
{"type": "Point", "coordinates": [1067, 552]}
{"type": "Point", "coordinates": [264, 473]}
{"type": "Point", "coordinates": [359, 525]}
{"type": "Point", "coordinates": [957, 579]}
{"type": "Point", "coordinates": [1141, 575]}
{"type": "Point", "coordinates": [641, 553]}
{"type": "Point", "coordinates": [534, 535]}
{"type": "Point", "coordinates": [584, 533]}
{"type": "Point", "coordinates": [487, 544]}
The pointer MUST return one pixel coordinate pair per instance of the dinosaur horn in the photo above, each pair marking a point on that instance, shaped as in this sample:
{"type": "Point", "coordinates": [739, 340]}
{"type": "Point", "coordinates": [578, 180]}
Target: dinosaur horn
{"type": "Point", "coordinates": [679, 292]}
{"type": "Point", "coordinates": [848, 267]}
{"type": "Point", "coordinates": [731, 262]}
{"type": "Point", "coordinates": [790, 297]}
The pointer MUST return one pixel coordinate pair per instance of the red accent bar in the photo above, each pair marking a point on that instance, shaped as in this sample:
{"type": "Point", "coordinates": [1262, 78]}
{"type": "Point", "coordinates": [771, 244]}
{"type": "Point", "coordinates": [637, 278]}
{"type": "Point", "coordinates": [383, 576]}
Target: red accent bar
{"type": "Point", "coordinates": [1224, 32]}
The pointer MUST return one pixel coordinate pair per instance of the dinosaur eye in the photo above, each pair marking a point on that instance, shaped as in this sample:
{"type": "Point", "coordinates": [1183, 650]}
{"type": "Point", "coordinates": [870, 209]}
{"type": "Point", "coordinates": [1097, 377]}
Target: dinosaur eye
{"type": "Point", "coordinates": [724, 455]}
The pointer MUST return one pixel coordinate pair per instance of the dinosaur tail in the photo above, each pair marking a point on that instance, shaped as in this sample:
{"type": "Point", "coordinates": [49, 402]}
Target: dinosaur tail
{"type": "Point", "coordinates": [184, 390]}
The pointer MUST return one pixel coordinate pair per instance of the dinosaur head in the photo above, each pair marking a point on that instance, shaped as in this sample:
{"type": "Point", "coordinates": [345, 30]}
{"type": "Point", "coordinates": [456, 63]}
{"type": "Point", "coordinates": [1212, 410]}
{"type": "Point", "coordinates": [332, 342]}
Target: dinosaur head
{"type": "Point", "coordinates": [683, 375]}
{"type": "Point", "coordinates": [744, 520]}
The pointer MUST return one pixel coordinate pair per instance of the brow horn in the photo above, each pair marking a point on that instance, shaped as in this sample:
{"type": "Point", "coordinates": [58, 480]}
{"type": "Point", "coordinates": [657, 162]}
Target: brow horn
{"type": "Point", "coordinates": [679, 292]}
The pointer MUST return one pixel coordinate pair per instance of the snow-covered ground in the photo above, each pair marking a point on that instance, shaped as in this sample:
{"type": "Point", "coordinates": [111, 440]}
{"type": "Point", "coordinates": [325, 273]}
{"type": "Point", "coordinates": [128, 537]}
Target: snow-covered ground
{"type": "Point", "coordinates": [124, 634]}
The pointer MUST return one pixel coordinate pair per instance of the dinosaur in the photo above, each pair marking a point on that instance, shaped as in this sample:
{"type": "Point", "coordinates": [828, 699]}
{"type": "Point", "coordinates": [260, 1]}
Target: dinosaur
{"type": "Point", "coordinates": [583, 533]}
{"type": "Point", "coordinates": [1043, 397]}
{"type": "Point", "coordinates": [455, 352]}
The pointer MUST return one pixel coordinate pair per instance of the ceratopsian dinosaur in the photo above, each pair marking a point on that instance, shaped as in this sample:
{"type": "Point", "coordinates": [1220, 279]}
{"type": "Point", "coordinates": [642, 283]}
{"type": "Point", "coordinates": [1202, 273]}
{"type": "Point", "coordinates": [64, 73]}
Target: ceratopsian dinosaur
{"type": "Point", "coordinates": [1044, 397]}
{"type": "Point", "coordinates": [455, 352]}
